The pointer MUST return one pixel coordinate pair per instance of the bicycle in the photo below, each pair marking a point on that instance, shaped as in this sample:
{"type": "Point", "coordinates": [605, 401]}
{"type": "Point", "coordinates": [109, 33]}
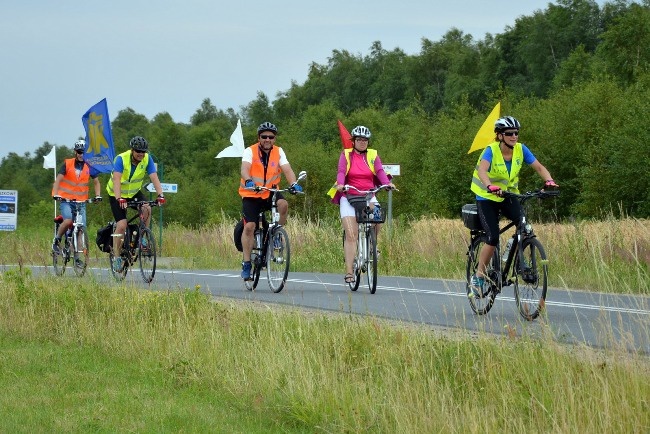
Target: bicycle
{"type": "Point", "coordinates": [525, 264]}
{"type": "Point", "coordinates": [365, 260]}
{"type": "Point", "coordinates": [74, 240]}
{"type": "Point", "coordinates": [272, 249]}
{"type": "Point", "coordinates": [139, 245]}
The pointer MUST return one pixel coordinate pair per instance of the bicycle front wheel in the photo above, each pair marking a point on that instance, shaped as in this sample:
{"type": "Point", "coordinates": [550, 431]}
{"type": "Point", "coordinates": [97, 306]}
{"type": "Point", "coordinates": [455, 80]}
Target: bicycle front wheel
{"type": "Point", "coordinates": [147, 254]}
{"type": "Point", "coordinates": [531, 279]}
{"type": "Point", "coordinates": [278, 259]}
{"type": "Point", "coordinates": [81, 253]}
{"type": "Point", "coordinates": [371, 265]}
{"type": "Point", "coordinates": [483, 303]}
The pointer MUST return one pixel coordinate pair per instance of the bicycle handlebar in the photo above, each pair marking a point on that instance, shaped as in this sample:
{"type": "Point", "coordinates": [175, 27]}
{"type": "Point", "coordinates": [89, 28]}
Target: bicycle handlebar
{"type": "Point", "coordinates": [258, 188]}
{"type": "Point", "coordinates": [63, 199]}
{"type": "Point", "coordinates": [541, 194]}
{"type": "Point", "coordinates": [347, 187]}
{"type": "Point", "coordinates": [137, 204]}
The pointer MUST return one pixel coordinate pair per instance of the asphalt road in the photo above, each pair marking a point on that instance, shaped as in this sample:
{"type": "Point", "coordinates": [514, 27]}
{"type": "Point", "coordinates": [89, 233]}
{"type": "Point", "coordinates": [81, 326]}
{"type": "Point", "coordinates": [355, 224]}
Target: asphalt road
{"type": "Point", "coordinates": [576, 317]}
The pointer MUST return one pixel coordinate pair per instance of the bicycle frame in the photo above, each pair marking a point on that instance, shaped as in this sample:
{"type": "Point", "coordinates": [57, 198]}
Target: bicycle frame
{"type": "Point", "coordinates": [133, 245]}
{"type": "Point", "coordinates": [365, 260]}
{"type": "Point", "coordinates": [525, 264]}
{"type": "Point", "coordinates": [78, 235]}
{"type": "Point", "coordinates": [263, 254]}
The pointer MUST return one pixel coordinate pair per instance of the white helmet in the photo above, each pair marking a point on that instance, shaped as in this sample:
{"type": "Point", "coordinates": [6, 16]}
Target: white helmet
{"type": "Point", "coordinates": [360, 131]}
{"type": "Point", "coordinates": [80, 145]}
{"type": "Point", "coordinates": [505, 123]}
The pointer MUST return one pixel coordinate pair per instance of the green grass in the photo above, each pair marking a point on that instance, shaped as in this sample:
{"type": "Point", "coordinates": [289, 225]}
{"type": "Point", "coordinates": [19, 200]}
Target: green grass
{"type": "Point", "coordinates": [76, 357]}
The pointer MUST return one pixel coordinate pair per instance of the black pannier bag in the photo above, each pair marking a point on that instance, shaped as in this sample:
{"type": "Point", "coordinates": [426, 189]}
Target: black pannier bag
{"type": "Point", "coordinates": [239, 230]}
{"type": "Point", "coordinates": [104, 240]}
{"type": "Point", "coordinates": [470, 217]}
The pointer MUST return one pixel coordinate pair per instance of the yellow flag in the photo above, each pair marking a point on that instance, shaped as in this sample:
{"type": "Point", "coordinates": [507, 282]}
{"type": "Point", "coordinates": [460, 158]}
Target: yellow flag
{"type": "Point", "coordinates": [485, 134]}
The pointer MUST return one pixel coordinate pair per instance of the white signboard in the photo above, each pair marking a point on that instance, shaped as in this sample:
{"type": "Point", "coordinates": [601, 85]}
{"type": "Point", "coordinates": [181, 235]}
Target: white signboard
{"type": "Point", "coordinates": [167, 188]}
{"type": "Point", "coordinates": [8, 210]}
{"type": "Point", "coordinates": [392, 169]}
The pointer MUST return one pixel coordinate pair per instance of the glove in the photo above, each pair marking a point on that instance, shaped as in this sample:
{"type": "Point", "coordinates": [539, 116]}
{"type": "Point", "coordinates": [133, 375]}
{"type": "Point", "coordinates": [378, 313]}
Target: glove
{"type": "Point", "coordinates": [550, 183]}
{"type": "Point", "coordinates": [249, 183]}
{"type": "Point", "coordinates": [493, 189]}
{"type": "Point", "coordinates": [98, 198]}
{"type": "Point", "coordinates": [161, 199]}
{"type": "Point", "coordinates": [295, 188]}
{"type": "Point", "coordinates": [57, 197]}
{"type": "Point", "coordinates": [122, 202]}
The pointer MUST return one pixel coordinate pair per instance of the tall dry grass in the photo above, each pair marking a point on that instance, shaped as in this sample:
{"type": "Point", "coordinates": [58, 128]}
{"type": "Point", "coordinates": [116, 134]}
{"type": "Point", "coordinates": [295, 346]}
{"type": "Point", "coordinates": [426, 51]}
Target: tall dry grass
{"type": "Point", "coordinates": [608, 256]}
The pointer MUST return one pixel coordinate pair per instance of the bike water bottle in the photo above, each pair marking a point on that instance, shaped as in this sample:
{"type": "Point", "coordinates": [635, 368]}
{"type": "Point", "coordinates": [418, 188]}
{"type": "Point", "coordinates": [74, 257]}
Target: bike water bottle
{"type": "Point", "coordinates": [504, 257]}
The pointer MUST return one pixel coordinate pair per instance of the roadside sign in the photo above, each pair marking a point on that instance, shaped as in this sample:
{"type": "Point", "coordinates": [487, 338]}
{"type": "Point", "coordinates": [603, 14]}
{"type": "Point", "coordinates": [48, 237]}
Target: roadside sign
{"type": "Point", "coordinates": [392, 169]}
{"type": "Point", "coordinates": [8, 210]}
{"type": "Point", "coordinates": [167, 188]}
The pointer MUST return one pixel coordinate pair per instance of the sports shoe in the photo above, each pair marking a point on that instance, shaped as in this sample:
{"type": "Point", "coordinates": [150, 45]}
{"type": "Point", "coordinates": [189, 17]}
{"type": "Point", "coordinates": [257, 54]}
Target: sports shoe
{"type": "Point", "coordinates": [145, 242]}
{"type": "Point", "coordinates": [117, 265]}
{"type": "Point", "coordinates": [246, 270]}
{"type": "Point", "coordinates": [475, 287]}
{"type": "Point", "coordinates": [78, 263]}
{"type": "Point", "coordinates": [55, 246]}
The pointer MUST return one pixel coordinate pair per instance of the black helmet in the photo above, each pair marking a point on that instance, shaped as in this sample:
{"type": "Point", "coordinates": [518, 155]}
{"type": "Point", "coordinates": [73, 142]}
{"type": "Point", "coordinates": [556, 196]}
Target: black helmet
{"type": "Point", "coordinates": [506, 123]}
{"type": "Point", "coordinates": [80, 145]}
{"type": "Point", "coordinates": [139, 143]}
{"type": "Point", "coordinates": [267, 126]}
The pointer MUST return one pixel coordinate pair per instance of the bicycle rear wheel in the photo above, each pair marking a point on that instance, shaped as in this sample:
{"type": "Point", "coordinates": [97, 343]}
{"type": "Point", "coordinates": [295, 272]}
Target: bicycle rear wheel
{"type": "Point", "coordinates": [147, 254]}
{"type": "Point", "coordinates": [483, 303]}
{"type": "Point", "coordinates": [278, 258]}
{"type": "Point", "coordinates": [531, 279]}
{"type": "Point", "coordinates": [371, 265]}
{"type": "Point", "coordinates": [80, 262]}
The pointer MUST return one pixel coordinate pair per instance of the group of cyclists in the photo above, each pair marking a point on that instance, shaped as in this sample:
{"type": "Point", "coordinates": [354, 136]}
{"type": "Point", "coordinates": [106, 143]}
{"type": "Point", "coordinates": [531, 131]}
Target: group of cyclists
{"type": "Point", "coordinates": [263, 164]}
{"type": "Point", "coordinates": [124, 186]}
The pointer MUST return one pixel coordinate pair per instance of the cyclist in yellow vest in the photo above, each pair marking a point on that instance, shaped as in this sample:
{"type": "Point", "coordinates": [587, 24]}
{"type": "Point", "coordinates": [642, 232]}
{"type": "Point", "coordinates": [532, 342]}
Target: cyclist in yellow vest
{"type": "Point", "coordinates": [359, 167]}
{"type": "Point", "coordinates": [72, 183]}
{"type": "Point", "coordinates": [262, 164]}
{"type": "Point", "coordinates": [124, 186]}
{"type": "Point", "coordinates": [497, 170]}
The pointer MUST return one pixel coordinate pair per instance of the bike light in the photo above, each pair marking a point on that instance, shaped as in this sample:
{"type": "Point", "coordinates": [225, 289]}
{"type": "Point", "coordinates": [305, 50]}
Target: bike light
{"type": "Point", "coordinates": [528, 228]}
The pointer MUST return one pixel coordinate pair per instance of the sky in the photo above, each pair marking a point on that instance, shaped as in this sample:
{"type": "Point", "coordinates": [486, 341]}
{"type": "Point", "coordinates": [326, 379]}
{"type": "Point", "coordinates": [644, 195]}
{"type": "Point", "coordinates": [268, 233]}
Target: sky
{"type": "Point", "coordinates": [61, 57]}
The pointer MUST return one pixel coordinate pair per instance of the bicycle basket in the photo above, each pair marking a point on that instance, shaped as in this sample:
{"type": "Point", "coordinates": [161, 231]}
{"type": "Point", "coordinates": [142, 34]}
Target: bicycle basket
{"type": "Point", "coordinates": [470, 217]}
{"type": "Point", "coordinates": [375, 215]}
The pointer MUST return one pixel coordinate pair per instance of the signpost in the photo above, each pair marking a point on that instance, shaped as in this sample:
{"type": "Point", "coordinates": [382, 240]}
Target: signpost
{"type": "Point", "coordinates": [391, 170]}
{"type": "Point", "coordinates": [167, 188]}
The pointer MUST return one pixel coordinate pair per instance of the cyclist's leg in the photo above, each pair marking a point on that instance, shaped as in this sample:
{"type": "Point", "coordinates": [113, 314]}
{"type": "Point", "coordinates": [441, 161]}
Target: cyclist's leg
{"type": "Point", "coordinates": [351, 228]}
{"type": "Point", "coordinates": [283, 208]}
{"type": "Point", "coordinates": [251, 208]}
{"type": "Point", "coordinates": [66, 211]}
{"type": "Point", "coordinates": [119, 215]}
{"type": "Point", "coordinates": [488, 212]}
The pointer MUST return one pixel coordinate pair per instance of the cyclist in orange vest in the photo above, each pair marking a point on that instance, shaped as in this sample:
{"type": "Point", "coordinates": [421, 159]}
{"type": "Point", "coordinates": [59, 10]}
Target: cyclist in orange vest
{"type": "Point", "coordinates": [262, 164]}
{"type": "Point", "coordinates": [72, 183]}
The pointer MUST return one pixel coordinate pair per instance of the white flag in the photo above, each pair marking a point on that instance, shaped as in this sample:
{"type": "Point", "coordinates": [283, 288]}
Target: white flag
{"type": "Point", "coordinates": [237, 140]}
{"type": "Point", "coordinates": [49, 160]}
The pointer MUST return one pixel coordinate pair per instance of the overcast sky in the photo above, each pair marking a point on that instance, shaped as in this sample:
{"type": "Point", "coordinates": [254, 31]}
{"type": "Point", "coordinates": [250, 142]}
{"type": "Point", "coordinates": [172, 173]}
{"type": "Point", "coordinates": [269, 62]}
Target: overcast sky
{"type": "Point", "coordinates": [61, 57]}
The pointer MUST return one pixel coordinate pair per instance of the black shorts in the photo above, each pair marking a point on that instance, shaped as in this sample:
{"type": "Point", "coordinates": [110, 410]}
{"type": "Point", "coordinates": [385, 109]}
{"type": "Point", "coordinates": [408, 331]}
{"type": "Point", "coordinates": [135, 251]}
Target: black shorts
{"type": "Point", "coordinates": [252, 206]}
{"type": "Point", "coordinates": [119, 213]}
{"type": "Point", "coordinates": [489, 212]}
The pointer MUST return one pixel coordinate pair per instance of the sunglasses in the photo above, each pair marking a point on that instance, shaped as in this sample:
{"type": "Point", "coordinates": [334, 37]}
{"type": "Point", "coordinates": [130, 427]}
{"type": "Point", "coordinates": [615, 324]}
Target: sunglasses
{"type": "Point", "coordinates": [267, 137]}
{"type": "Point", "coordinates": [79, 151]}
{"type": "Point", "coordinates": [139, 151]}
{"type": "Point", "coordinates": [511, 133]}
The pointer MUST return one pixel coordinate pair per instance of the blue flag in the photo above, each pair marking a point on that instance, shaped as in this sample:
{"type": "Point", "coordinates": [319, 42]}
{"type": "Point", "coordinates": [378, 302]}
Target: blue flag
{"type": "Point", "coordinates": [100, 151]}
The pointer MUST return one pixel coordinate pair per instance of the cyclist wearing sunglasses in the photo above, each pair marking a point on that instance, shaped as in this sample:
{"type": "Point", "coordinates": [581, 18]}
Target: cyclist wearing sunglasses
{"type": "Point", "coordinates": [262, 165]}
{"type": "Point", "coordinates": [125, 185]}
{"type": "Point", "coordinates": [72, 183]}
{"type": "Point", "coordinates": [497, 170]}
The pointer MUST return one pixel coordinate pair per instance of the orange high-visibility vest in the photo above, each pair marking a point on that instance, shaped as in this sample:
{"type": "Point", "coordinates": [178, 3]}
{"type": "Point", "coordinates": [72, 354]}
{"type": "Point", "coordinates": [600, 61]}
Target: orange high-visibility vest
{"type": "Point", "coordinates": [72, 186]}
{"type": "Point", "coordinates": [263, 176]}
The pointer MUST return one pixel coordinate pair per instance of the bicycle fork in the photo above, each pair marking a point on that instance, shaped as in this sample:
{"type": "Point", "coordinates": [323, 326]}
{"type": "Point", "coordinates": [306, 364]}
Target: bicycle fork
{"type": "Point", "coordinates": [363, 246]}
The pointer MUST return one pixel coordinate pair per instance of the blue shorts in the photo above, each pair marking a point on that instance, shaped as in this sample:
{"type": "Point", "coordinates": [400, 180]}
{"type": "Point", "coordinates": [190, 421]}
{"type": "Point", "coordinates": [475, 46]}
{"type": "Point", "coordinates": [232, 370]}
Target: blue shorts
{"type": "Point", "coordinates": [67, 207]}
